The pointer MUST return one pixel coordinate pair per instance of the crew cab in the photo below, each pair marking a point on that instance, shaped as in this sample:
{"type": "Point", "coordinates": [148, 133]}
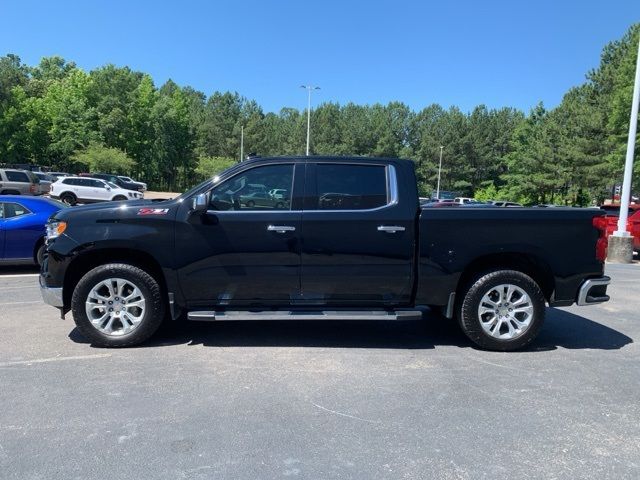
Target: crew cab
{"type": "Point", "coordinates": [351, 243]}
{"type": "Point", "coordinates": [71, 190]}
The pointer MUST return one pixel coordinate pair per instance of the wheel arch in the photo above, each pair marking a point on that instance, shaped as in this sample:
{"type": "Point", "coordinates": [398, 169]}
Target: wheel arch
{"type": "Point", "coordinates": [527, 263]}
{"type": "Point", "coordinates": [36, 247]}
{"type": "Point", "coordinates": [86, 261]}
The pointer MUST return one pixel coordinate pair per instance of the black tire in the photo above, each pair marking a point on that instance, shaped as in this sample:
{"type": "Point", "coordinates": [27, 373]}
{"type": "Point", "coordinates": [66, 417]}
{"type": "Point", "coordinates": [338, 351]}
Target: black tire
{"type": "Point", "coordinates": [42, 249]}
{"type": "Point", "coordinates": [469, 304]}
{"type": "Point", "coordinates": [152, 317]}
{"type": "Point", "coordinates": [68, 198]}
{"type": "Point", "coordinates": [119, 198]}
{"type": "Point", "coordinates": [251, 204]}
{"type": "Point", "coordinates": [280, 205]}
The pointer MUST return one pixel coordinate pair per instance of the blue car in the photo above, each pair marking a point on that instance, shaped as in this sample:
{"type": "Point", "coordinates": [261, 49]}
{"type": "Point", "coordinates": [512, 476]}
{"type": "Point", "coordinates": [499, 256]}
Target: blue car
{"type": "Point", "coordinates": [22, 228]}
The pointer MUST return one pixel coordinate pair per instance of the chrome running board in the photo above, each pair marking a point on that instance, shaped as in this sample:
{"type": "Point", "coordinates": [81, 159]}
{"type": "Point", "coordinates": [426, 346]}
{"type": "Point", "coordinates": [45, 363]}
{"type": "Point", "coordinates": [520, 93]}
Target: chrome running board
{"type": "Point", "coordinates": [205, 315]}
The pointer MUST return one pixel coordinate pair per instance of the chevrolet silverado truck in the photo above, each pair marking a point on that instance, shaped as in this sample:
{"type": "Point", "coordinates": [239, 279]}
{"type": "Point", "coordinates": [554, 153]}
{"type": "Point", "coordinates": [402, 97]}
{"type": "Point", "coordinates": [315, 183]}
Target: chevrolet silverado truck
{"type": "Point", "coordinates": [348, 241]}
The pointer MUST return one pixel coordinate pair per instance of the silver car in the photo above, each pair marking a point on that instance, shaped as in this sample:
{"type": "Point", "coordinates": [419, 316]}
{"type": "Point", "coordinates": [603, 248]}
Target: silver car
{"type": "Point", "coordinates": [18, 182]}
{"type": "Point", "coordinates": [45, 181]}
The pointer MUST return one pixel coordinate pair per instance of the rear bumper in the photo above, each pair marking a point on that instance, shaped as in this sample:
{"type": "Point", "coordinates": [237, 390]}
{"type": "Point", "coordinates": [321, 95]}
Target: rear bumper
{"type": "Point", "coordinates": [593, 291]}
{"type": "Point", "coordinates": [51, 295]}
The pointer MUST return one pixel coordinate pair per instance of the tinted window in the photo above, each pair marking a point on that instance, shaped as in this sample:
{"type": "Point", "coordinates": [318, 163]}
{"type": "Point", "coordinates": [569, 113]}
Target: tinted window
{"type": "Point", "coordinates": [70, 181]}
{"type": "Point", "coordinates": [351, 187]}
{"type": "Point", "coordinates": [45, 177]}
{"type": "Point", "coordinates": [97, 183]}
{"type": "Point", "coordinates": [14, 210]}
{"type": "Point", "coordinates": [261, 188]}
{"type": "Point", "coordinates": [17, 176]}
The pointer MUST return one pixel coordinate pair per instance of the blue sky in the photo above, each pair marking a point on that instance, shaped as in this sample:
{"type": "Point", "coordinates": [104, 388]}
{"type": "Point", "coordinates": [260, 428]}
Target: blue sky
{"type": "Point", "coordinates": [510, 53]}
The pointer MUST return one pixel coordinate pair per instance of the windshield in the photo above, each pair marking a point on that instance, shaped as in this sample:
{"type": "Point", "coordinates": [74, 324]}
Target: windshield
{"type": "Point", "coordinates": [209, 181]}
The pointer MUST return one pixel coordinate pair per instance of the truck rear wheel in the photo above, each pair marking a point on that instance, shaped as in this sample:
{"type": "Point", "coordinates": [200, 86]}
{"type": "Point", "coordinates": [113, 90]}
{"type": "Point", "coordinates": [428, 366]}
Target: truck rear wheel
{"type": "Point", "coordinates": [117, 305]}
{"type": "Point", "coordinates": [502, 310]}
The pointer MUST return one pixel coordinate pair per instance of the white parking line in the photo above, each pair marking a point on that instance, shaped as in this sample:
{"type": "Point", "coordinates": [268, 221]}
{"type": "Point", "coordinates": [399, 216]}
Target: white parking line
{"type": "Point", "coordinates": [17, 287]}
{"type": "Point", "coordinates": [20, 275]}
{"type": "Point", "coordinates": [54, 359]}
{"type": "Point", "coordinates": [20, 303]}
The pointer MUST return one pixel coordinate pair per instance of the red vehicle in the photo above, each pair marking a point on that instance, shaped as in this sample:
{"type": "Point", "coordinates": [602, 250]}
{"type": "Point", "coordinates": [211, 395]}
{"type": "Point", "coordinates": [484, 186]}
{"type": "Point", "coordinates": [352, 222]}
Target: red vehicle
{"type": "Point", "coordinates": [633, 222]}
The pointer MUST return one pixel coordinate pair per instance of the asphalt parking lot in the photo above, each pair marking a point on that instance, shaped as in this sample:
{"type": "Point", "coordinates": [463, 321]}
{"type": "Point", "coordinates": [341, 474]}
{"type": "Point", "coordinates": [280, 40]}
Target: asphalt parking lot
{"type": "Point", "coordinates": [320, 400]}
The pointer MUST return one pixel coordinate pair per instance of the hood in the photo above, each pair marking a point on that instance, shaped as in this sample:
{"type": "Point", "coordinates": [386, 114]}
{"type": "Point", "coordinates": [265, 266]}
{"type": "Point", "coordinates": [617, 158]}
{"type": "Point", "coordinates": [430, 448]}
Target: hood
{"type": "Point", "coordinates": [110, 208]}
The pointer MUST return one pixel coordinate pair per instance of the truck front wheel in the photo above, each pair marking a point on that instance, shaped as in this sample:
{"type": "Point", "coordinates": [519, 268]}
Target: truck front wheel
{"type": "Point", "coordinates": [117, 305]}
{"type": "Point", "coordinates": [502, 310]}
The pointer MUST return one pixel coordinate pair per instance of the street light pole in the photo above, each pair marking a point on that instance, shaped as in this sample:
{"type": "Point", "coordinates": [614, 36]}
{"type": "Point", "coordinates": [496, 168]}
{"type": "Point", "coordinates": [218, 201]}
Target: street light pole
{"type": "Point", "coordinates": [439, 173]}
{"type": "Point", "coordinates": [241, 142]}
{"type": "Point", "coordinates": [621, 242]}
{"type": "Point", "coordinates": [309, 88]}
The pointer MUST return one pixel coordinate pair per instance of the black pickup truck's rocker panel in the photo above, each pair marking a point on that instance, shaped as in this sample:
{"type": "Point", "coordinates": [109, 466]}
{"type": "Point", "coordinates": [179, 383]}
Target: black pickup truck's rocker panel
{"type": "Point", "coordinates": [315, 251]}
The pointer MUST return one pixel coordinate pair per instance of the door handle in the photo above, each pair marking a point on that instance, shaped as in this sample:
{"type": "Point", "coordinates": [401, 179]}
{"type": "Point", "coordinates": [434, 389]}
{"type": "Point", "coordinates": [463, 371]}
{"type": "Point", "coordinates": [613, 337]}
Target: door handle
{"type": "Point", "coordinates": [390, 228]}
{"type": "Point", "coordinates": [281, 228]}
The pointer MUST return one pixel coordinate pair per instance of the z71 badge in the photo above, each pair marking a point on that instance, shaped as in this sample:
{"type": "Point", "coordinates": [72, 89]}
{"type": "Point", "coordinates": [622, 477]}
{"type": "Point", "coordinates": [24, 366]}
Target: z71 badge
{"type": "Point", "coordinates": [153, 211]}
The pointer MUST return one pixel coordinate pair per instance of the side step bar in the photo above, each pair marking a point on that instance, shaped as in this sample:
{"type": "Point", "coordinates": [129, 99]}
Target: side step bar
{"type": "Point", "coordinates": [306, 315]}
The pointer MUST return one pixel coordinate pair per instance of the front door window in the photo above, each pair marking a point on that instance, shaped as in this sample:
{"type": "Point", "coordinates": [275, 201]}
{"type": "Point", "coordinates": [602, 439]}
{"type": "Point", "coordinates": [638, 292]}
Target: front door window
{"type": "Point", "coordinates": [263, 188]}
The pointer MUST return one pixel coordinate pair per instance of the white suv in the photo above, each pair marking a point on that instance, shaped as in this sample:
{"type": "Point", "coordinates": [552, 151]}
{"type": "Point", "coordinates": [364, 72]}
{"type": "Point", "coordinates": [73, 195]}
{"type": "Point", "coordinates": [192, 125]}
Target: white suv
{"type": "Point", "coordinates": [72, 190]}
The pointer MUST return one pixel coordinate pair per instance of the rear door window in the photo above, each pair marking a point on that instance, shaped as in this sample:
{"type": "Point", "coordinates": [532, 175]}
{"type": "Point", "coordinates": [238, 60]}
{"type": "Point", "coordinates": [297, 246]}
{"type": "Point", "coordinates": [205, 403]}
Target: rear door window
{"type": "Point", "coordinates": [12, 210]}
{"type": "Point", "coordinates": [351, 187]}
{"type": "Point", "coordinates": [83, 182]}
{"type": "Point", "coordinates": [13, 176]}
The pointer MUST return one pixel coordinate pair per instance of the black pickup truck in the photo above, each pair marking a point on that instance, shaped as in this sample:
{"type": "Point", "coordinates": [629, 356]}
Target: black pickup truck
{"type": "Point", "coordinates": [318, 238]}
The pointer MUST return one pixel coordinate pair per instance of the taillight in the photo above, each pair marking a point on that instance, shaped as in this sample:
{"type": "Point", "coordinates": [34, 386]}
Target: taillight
{"type": "Point", "coordinates": [603, 242]}
{"type": "Point", "coordinates": [32, 188]}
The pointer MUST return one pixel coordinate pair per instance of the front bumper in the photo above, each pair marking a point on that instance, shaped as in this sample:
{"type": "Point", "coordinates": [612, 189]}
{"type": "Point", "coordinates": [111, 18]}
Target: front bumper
{"type": "Point", "coordinates": [593, 291]}
{"type": "Point", "coordinates": [51, 295]}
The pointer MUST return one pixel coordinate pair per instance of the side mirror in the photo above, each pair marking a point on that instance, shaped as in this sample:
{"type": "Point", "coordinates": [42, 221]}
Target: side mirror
{"type": "Point", "coordinates": [200, 202]}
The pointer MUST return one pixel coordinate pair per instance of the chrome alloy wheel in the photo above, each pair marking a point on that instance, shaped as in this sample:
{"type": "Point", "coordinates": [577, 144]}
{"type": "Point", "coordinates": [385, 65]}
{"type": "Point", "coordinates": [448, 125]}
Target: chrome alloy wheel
{"type": "Point", "coordinates": [505, 312]}
{"type": "Point", "coordinates": [115, 306]}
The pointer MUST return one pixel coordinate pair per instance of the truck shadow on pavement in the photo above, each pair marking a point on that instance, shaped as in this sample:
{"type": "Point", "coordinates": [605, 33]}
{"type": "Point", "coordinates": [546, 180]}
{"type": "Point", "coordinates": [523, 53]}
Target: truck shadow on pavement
{"type": "Point", "coordinates": [562, 329]}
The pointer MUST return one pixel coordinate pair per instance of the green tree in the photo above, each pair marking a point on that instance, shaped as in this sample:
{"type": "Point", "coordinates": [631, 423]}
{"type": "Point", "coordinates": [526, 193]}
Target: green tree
{"type": "Point", "coordinates": [210, 166]}
{"type": "Point", "coordinates": [99, 158]}
{"type": "Point", "coordinates": [174, 138]}
{"type": "Point", "coordinates": [68, 116]}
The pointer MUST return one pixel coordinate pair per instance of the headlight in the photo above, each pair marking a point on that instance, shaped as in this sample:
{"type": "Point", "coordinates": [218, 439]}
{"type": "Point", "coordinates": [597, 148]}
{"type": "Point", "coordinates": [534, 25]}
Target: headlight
{"type": "Point", "coordinates": [55, 229]}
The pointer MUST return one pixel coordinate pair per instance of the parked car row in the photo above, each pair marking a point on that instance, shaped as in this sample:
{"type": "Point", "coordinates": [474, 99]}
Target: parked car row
{"type": "Point", "coordinates": [465, 201]}
{"type": "Point", "coordinates": [24, 209]}
{"type": "Point", "coordinates": [15, 181]}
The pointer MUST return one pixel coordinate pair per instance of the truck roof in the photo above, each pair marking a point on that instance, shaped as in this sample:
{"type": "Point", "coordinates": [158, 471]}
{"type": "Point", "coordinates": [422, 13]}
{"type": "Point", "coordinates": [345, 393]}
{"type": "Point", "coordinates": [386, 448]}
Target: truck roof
{"type": "Point", "coordinates": [330, 158]}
